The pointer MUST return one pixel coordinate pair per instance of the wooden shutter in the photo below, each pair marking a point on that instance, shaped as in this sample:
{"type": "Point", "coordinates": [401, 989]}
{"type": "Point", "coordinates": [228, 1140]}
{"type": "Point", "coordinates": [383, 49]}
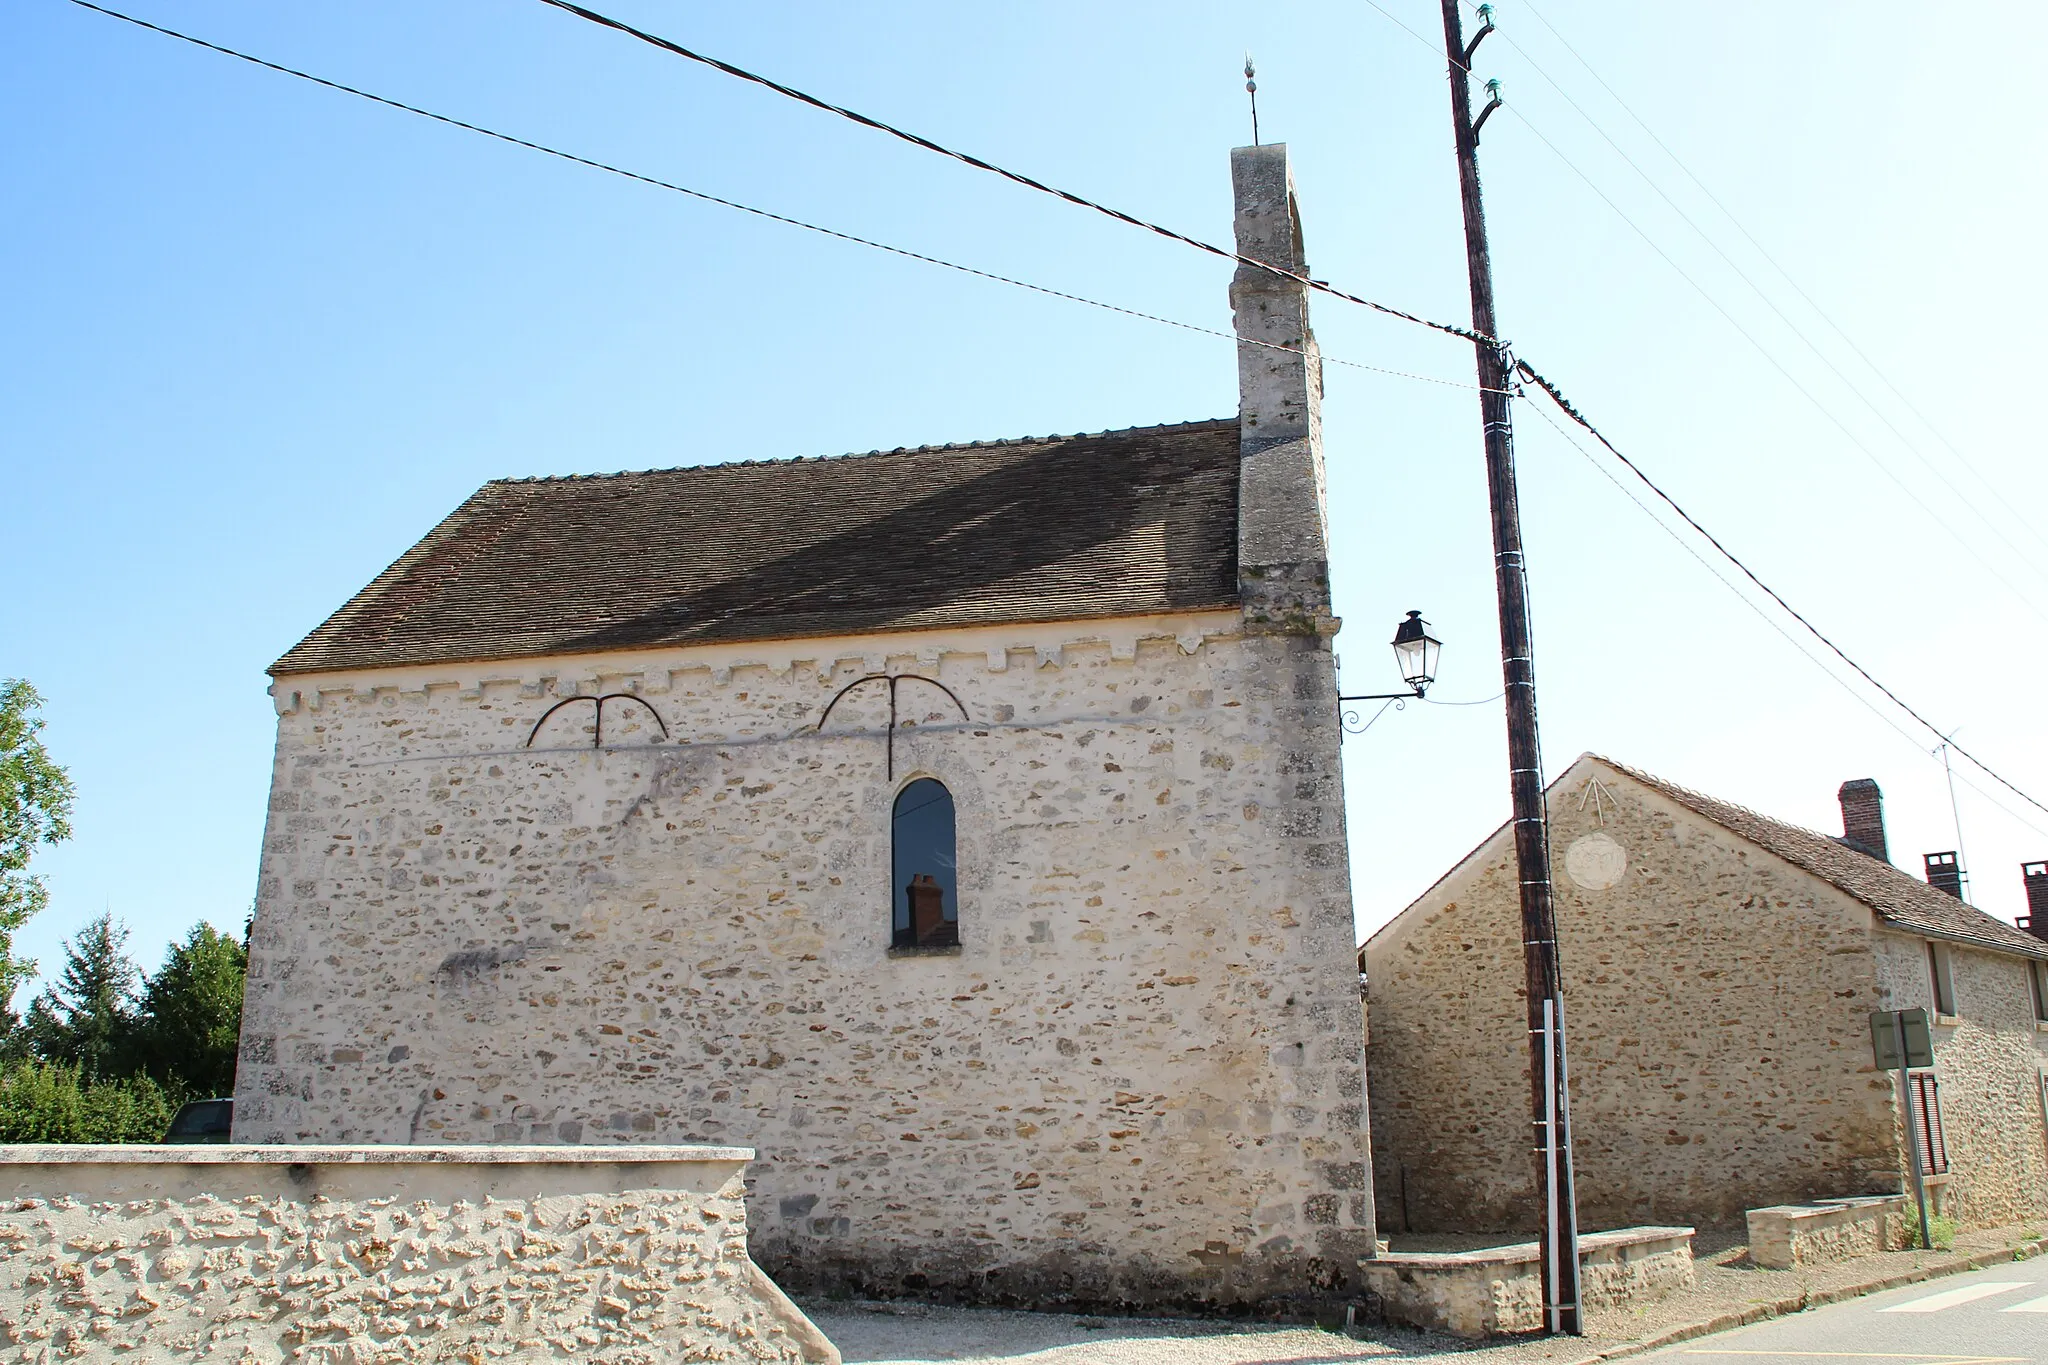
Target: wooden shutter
{"type": "Point", "coordinates": [1928, 1136]}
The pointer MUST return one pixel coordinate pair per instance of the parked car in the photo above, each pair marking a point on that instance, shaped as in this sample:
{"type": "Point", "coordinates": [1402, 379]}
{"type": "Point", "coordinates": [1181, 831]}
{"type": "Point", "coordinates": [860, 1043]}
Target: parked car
{"type": "Point", "coordinates": [201, 1121]}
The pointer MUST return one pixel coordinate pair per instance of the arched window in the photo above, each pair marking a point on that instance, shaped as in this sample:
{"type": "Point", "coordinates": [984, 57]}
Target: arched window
{"type": "Point", "coordinates": [924, 881]}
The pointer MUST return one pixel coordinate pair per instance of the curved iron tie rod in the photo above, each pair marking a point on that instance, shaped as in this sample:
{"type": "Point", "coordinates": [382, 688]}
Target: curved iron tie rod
{"type": "Point", "coordinates": [597, 733]}
{"type": "Point", "coordinates": [892, 679]}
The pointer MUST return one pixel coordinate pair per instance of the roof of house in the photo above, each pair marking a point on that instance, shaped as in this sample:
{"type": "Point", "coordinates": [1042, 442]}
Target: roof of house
{"type": "Point", "coordinates": [1119, 523]}
{"type": "Point", "coordinates": [1898, 897]}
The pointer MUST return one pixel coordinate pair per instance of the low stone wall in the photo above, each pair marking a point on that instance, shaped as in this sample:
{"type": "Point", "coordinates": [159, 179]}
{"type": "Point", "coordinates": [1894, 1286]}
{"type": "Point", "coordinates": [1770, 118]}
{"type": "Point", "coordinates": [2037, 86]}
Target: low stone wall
{"type": "Point", "coordinates": [1496, 1291]}
{"type": "Point", "coordinates": [1789, 1235]}
{"type": "Point", "coordinates": [367, 1255]}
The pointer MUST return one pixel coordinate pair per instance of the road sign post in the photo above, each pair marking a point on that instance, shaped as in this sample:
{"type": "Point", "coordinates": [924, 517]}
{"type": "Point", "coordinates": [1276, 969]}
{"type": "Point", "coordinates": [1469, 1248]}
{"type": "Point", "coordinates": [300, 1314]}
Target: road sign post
{"type": "Point", "coordinates": [1899, 1040]}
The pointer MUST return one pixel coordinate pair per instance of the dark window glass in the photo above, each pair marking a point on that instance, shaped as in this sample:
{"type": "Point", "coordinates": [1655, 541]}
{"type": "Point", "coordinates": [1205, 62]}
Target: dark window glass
{"type": "Point", "coordinates": [203, 1118]}
{"type": "Point", "coordinates": [924, 882]}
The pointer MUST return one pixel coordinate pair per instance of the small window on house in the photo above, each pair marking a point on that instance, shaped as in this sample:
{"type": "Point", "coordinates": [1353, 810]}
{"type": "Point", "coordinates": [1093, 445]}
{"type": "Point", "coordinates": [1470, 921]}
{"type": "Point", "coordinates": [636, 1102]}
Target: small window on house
{"type": "Point", "coordinates": [1941, 972]}
{"type": "Point", "coordinates": [924, 881]}
{"type": "Point", "coordinates": [2039, 971]}
{"type": "Point", "coordinates": [1929, 1142]}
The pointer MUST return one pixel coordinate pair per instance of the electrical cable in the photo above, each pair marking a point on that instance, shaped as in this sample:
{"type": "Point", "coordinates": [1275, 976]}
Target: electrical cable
{"type": "Point", "coordinates": [1768, 302]}
{"type": "Point", "coordinates": [1789, 377]}
{"type": "Point", "coordinates": [1769, 620]}
{"type": "Point", "coordinates": [748, 208]}
{"type": "Point", "coordinates": [915, 140]}
{"type": "Point", "coordinates": [1967, 546]}
{"type": "Point", "coordinates": [1523, 368]}
{"type": "Point", "coordinates": [1483, 701]}
{"type": "Point", "coordinates": [1321, 286]}
{"type": "Point", "coordinates": [1762, 251]}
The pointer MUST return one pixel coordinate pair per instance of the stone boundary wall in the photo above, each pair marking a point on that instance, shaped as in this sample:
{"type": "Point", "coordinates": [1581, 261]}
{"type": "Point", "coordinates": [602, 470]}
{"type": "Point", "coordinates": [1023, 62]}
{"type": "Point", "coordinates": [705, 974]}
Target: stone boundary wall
{"type": "Point", "coordinates": [1789, 1235]}
{"type": "Point", "coordinates": [1498, 1291]}
{"type": "Point", "coordinates": [367, 1255]}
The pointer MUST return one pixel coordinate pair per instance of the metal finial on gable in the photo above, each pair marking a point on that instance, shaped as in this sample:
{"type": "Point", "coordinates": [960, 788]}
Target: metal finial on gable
{"type": "Point", "coordinates": [1251, 87]}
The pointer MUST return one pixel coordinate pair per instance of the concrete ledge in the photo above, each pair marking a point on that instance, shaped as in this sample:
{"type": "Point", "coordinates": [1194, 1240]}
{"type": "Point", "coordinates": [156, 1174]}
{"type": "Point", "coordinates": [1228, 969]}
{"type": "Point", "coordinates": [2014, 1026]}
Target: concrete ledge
{"type": "Point", "coordinates": [1788, 1235]}
{"type": "Point", "coordinates": [340, 1254]}
{"type": "Point", "coordinates": [1496, 1291]}
{"type": "Point", "coordinates": [1799, 1303]}
{"type": "Point", "coordinates": [279, 1154]}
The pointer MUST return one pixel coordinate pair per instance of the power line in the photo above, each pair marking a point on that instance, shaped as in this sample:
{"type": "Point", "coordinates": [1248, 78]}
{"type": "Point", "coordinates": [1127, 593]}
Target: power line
{"type": "Point", "coordinates": [1528, 372]}
{"type": "Point", "coordinates": [976, 162]}
{"type": "Point", "coordinates": [1865, 702]}
{"type": "Point", "coordinates": [967, 159]}
{"type": "Point", "coordinates": [1758, 290]}
{"type": "Point", "coordinates": [1871, 455]}
{"type": "Point", "coordinates": [1523, 366]}
{"type": "Point", "coordinates": [1761, 250]}
{"type": "Point", "coordinates": [748, 208]}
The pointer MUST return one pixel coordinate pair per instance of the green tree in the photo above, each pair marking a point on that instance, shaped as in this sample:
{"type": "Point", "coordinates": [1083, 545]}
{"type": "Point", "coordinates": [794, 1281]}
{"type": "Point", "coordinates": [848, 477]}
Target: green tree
{"type": "Point", "coordinates": [191, 1018]}
{"type": "Point", "coordinates": [35, 809]}
{"type": "Point", "coordinates": [86, 1018]}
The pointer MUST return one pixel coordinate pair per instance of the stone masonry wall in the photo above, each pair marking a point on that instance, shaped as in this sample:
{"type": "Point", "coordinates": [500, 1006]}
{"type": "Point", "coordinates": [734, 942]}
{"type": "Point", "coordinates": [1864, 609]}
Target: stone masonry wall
{"type": "Point", "coordinates": [1988, 1060]}
{"type": "Point", "coordinates": [381, 1258]}
{"type": "Point", "coordinates": [1716, 1001]}
{"type": "Point", "coordinates": [1138, 1080]}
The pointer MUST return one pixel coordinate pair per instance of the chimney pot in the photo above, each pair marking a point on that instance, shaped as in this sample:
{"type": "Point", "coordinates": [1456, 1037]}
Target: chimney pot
{"type": "Point", "coordinates": [2035, 921]}
{"type": "Point", "coordinates": [1944, 873]}
{"type": "Point", "coordinates": [1863, 817]}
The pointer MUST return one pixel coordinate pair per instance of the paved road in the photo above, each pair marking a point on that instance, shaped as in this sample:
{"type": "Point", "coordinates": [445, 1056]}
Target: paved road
{"type": "Point", "coordinates": [1988, 1317]}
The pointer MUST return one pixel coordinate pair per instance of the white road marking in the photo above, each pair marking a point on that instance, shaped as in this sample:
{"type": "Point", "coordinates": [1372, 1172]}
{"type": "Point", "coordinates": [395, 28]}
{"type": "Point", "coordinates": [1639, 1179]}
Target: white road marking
{"type": "Point", "coordinates": [1934, 1303]}
{"type": "Point", "coordinates": [1930, 1357]}
{"type": "Point", "coordinates": [2030, 1306]}
{"type": "Point", "coordinates": [1942, 1358]}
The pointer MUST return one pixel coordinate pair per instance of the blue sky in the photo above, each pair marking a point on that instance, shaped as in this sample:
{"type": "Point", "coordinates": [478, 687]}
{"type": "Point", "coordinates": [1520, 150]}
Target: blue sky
{"type": "Point", "coordinates": [260, 336]}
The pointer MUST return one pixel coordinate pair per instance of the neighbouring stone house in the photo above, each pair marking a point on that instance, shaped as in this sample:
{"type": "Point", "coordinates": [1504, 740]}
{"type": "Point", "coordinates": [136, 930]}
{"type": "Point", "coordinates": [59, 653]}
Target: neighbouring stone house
{"type": "Point", "coordinates": [1720, 968]}
{"type": "Point", "coordinates": [961, 827]}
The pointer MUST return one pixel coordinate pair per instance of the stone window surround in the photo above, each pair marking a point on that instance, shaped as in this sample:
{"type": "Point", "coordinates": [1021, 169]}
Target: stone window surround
{"type": "Point", "coordinates": [1942, 980]}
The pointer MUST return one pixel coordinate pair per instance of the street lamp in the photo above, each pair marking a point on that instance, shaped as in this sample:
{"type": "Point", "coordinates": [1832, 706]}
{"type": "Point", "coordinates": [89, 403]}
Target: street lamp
{"type": "Point", "coordinates": [1415, 653]}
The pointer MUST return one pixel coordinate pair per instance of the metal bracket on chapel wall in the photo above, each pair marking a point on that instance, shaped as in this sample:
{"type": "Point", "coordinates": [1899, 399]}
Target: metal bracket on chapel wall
{"type": "Point", "coordinates": [892, 679]}
{"type": "Point", "coordinates": [597, 731]}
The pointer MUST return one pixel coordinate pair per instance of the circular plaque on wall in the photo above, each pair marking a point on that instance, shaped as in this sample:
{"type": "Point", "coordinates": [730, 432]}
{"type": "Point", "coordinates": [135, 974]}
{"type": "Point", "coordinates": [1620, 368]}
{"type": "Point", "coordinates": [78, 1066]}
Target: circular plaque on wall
{"type": "Point", "coordinates": [1595, 862]}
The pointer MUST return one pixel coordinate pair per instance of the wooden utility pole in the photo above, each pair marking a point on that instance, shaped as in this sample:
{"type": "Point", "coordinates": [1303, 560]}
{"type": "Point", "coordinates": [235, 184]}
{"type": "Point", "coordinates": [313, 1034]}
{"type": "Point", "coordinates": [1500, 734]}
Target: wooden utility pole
{"type": "Point", "coordinates": [1549, 1086]}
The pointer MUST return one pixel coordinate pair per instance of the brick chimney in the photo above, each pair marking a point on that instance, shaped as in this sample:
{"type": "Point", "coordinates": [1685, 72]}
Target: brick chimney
{"type": "Point", "coordinates": [1863, 817]}
{"type": "Point", "coordinates": [1282, 522]}
{"type": "Point", "coordinates": [2035, 921]}
{"type": "Point", "coordinates": [1944, 873]}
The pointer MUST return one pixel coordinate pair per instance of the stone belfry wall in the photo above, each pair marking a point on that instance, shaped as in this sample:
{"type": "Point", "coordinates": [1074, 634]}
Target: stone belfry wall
{"type": "Point", "coordinates": [1136, 1081]}
{"type": "Point", "coordinates": [1284, 582]}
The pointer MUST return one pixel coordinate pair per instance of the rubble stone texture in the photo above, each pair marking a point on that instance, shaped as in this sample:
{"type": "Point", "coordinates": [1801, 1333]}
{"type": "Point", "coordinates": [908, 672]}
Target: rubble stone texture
{"type": "Point", "coordinates": [152, 1255]}
{"type": "Point", "coordinates": [1139, 1077]}
{"type": "Point", "coordinates": [1497, 1291]}
{"type": "Point", "coordinates": [1138, 1080]}
{"type": "Point", "coordinates": [1717, 1000]}
{"type": "Point", "coordinates": [1789, 1235]}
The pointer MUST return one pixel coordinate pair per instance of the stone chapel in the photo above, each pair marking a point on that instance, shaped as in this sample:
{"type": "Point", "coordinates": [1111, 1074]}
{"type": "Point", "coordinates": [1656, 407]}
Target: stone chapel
{"type": "Point", "coordinates": [959, 827]}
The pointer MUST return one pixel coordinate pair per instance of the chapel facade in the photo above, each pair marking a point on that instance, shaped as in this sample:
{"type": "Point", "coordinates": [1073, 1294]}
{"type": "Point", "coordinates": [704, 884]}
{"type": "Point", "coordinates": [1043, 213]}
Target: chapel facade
{"type": "Point", "coordinates": [961, 828]}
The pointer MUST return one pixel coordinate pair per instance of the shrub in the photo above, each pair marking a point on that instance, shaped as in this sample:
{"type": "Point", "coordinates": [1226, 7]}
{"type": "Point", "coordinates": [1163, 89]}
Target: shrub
{"type": "Point", "coordinates": [1941, 1230]}
{"type": "Point", "coordinates": [43, 1103]}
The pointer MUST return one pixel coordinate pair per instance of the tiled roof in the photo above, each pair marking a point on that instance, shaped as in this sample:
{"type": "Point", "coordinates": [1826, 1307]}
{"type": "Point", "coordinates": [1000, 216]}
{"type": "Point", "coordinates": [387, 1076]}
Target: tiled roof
{"type": "Point", "coordinates": [1055, 528]}
{"type": "Point", "coordinates": [1898, 898]}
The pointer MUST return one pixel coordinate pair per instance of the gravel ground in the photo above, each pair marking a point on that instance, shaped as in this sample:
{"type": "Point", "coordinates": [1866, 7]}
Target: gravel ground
{"type": "Point", "coordinates": [902, 1333]}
